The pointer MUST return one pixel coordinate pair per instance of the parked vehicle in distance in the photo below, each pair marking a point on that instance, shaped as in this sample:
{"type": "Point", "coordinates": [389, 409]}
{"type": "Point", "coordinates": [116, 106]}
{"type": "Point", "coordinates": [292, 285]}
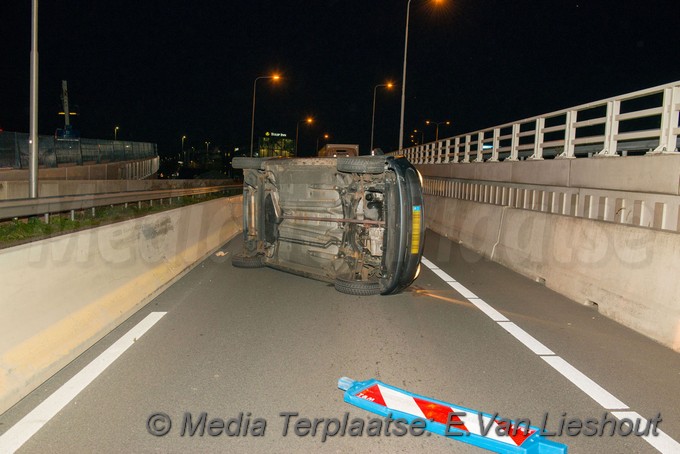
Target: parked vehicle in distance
{"type": "Point", "coordinates": [356, 222]}
{"type": "Point", "coordinates": [336, 150]}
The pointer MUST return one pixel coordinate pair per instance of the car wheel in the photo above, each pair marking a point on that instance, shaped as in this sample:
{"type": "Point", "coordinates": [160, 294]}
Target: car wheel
{"type": "Point", "coordinates": [360, 288]}
{"type": "Point", "coordinates": [365, 164]}
{"type": "Point", "coordinates": [247, 261]}
{"type": "Point", "coordinates": [242, 162]}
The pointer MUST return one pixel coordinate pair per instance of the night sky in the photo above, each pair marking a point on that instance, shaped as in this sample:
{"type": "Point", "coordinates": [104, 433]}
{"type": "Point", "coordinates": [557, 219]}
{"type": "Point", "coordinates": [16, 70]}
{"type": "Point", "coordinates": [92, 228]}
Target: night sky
{"type": "Point", "coordinates": [163, 69]}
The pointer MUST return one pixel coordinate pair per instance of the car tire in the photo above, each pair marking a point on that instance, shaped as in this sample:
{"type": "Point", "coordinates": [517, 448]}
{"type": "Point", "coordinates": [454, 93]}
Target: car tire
{"type": "Point", "coordinates": [364, 164]}
{"type": "Point", "coordinates": [247, 261]}
{"type": "Point", "coordinates": [242, 162]}
{"type": "Point", "coordinates": [359, 288]}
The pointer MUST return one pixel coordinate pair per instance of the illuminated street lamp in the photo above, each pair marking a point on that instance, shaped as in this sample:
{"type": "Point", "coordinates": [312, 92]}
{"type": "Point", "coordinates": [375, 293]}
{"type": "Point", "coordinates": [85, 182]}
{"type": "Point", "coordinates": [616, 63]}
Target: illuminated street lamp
{"type": "Point", "coordinates": [325, 137]}
{"type": "Point", "coordinates": [115, 133]}
{"type": "Point", "coordinates": [422, 136]}
{"type": "Point", "coordinates": [252, 121]}
{"type": "Point", "coordinates": [375, 89]}
{"type": "Point", "coordinates": [437, 123]}
{"type": "Point", "coordinates": [403, 77]}
{"type": "Point", "coordinates": [308, 120]}
{"type": "Point", "coordinates": [207, 144]}
{"type": "Point", "coordinates": [184, 156]}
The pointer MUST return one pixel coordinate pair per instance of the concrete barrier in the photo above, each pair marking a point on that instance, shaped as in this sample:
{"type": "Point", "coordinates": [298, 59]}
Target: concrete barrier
{"type": "Point", "coordinates": [61, 295]}
{"type": "Point", "coordinates": [657, 174]}
{"type": "Point", "coordinates": [620, 269]}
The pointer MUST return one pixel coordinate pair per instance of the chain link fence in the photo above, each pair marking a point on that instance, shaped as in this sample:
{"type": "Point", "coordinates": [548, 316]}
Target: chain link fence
{"type": "Point", "coordinates": [14, 151]}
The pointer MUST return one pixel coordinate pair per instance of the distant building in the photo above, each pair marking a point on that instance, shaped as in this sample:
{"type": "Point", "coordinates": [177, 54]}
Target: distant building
{"type": "Point", "coordinates": [275, 144]}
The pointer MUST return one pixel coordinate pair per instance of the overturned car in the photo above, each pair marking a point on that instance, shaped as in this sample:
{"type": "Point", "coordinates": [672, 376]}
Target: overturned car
{"type": "Point", "coordinates": [356, 222]}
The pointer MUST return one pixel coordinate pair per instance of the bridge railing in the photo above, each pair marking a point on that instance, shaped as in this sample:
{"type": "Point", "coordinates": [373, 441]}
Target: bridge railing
{"type": "Point", "coordinates": [645, 121]}
{"type": "Point", "coordinates": [14, 151]}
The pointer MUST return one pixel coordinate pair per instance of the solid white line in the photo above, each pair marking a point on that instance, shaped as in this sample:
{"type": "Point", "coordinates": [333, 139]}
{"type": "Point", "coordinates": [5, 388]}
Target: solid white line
{"type": "Point", "coordinates": [592, 389]}
{"type": "Point", "coordinates": [492, 313]}
{"type": "Point", "coordinates": [661, 441]}
{"type": "Point", "coordinates": [527, 339]}
{"type": "Point", "coordinates": [428, 264]}
{"type": "Point", "coordinates": [460, 288]}
{"type": "Point", "coordinates": [18, 434]}
{"type": "Point", "coordinates": [445, 277]}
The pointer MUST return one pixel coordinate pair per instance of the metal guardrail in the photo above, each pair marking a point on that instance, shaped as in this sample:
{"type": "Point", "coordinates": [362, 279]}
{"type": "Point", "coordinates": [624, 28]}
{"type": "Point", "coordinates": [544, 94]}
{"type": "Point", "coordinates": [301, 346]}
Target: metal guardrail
{"type": "Point", "coordinates": [642, 121]}
{"type": "Point", "coordinates": [44, 206]}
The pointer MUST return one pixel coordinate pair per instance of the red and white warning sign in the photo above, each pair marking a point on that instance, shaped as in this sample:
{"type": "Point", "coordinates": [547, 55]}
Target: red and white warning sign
{"type": "Point", "coordinates": [452, 421]}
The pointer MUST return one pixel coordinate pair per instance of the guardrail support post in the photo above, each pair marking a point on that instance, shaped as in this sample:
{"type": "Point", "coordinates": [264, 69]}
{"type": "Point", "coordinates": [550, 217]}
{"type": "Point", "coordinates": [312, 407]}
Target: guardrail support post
{"type": "Point", "coordinates": [466, 157]}
{"type": "Point", "coordinates": [669, 121]}
{"type": "Point", "coordinates": [569, 136]}
{"type": "Point", "coordinates": [611, 129]}
{"type": "Point", "coordinates": [480, 147]}
{"type": "Point", "coordinates": [538, 140]}
{"type": "Point", "coordinates": [514, 143]}
{"type": "Point", "coordinates": [496, 145]}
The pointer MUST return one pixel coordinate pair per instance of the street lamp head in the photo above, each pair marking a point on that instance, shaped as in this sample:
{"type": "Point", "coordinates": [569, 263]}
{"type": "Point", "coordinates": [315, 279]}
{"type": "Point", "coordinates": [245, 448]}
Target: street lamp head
{"type": "Point", "coordinates": [309, 120]}
{"type": "Point", "coordinates": [276, 77]}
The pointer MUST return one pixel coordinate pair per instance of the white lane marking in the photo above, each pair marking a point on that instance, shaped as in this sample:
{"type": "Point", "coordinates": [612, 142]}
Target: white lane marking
{"type": "Point", "coordinates": [445, 277]}
{"type": "Point", "coordinates": [460, 288]}
{"type": "Point", "coordinates": [492, 313]}
{"type": "Point", "coordinates": [428, 264]}
{"type": "Point", "coordinates": [595, 391]}
{"type": "Point", "coordinates": [527, 339]}
{"type": "Point", "coordinates": [661, 441]}
{"type": "Point", "coordinates": [18, 434]}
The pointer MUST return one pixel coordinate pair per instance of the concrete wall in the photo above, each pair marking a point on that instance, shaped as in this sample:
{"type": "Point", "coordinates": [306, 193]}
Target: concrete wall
{"type": "Point", "coordinates": [628, 272]}
{"type": "Point", "coordinates": [61, 295]}
{"type": "Point", "coordinates": [651, 173]}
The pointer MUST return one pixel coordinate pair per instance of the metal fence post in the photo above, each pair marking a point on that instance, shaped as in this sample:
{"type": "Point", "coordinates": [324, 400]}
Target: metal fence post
{"type": "Point", "coordinates": [611, 129]}
{"type": "Point", "coordinates": [569, 136]}
{"type": "Point", "coordinates": [514, 143]}
{"type": "Point", "coordinates": [669, 121]}
{"type": "Point", "coordinates": [538, 139]}
{"type": "Point", "coordinates": [480, 147]}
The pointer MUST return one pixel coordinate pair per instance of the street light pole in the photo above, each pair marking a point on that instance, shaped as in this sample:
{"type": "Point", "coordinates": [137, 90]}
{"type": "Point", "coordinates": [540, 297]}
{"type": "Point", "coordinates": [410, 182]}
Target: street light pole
{"type": "Point", "coordinates": [325, 136]}
{"type": "Point", "coordinates": [436, 134]}
{"type": "Point", "coordinates": [403, 80]}
{"type": "Point", "coordinates": [33, 127]}
{"type": "Point", "coordinates": [115, 133]}
{"type": "Point", "coordinates": [252, 120]}
{"type": "Point", "coordinates": [375, 89]}
{"type": "Point", "coordinates": [184, 156]}
{"type": "Point", "coordinates": [403, 77]}
{"type": "Point", "coordinates": [297, 132]}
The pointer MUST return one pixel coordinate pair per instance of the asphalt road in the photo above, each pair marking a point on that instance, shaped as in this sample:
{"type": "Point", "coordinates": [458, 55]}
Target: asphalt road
{"type": "Point", "coordinates": [262, 342]}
